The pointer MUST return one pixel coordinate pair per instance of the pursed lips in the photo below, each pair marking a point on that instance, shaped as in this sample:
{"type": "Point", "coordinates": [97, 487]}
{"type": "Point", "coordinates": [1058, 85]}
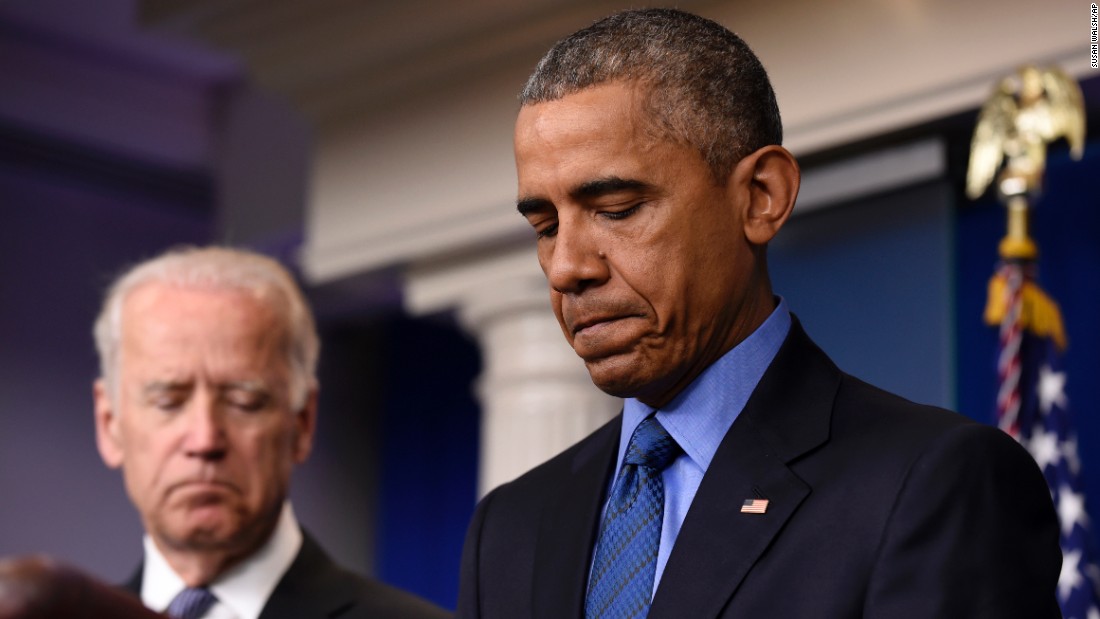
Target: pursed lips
{"type": "Point", "coordinates": [578, 326]}
{"type": "Point", "coordinates": [582, 314]}
{"type": "Point", "coordinates": [589, 322]}
{"type": "Point", "coordinates": [203, 484]}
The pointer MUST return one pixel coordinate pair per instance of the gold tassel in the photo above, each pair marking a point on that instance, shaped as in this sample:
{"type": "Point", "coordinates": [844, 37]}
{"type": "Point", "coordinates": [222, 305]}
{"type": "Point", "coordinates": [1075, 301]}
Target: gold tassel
{"type": "Point", "coordinates": [1039, 315]}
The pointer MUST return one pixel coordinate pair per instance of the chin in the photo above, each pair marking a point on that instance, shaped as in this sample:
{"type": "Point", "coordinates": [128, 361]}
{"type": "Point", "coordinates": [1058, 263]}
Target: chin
{"type": "Point", "coordinates": [615, 376]}
{"type": "Point", "coordinates": [631, 376]}
{"type": "Point", "coordinates": [211, 530]}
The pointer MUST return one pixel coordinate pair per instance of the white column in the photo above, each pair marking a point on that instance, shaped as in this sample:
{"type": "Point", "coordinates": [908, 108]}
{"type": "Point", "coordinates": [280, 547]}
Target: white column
{"type": "Point", "coordinates": [536, 396]}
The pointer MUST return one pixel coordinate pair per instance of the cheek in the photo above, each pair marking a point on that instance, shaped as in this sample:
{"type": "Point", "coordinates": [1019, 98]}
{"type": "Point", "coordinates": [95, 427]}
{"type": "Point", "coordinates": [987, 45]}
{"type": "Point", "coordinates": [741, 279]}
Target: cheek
{"type": "Point", "coordinates": [147, 466]}
{"type": "Point", "coordinates": [654, 277]}
{"type": "Point", "coordinates": [145, 452]}
{"type": "Point", "coordinates": [268, 454]}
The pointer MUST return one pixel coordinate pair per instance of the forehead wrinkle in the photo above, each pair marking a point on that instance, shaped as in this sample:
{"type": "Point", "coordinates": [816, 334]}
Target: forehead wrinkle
{"type": "Point", "coordinates": [550, 121]}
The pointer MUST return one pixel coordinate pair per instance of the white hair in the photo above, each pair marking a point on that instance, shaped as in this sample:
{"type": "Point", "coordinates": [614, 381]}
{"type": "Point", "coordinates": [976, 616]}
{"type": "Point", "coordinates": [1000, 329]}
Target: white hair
{"type": "Point", "coordinates": [218, 268]}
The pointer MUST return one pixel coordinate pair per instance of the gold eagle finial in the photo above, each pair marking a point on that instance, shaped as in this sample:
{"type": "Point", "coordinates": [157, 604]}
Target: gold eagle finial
{"type": "Point", "coordinates": [1025, 113]}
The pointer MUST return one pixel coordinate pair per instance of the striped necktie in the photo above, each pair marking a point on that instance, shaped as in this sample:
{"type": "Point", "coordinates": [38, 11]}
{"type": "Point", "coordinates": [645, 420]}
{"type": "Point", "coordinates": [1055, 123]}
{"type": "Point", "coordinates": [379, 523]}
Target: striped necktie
{"type": "Point", "coordinates": [621, 583]}
{"type": "Point", "coordinates": [191, 603]}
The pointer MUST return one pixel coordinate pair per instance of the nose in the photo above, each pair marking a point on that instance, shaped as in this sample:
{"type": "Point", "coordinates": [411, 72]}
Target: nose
{"type": "Point", "coordinates": [206, 432]}
{"type": "Point", "coordinates": [572, 260]}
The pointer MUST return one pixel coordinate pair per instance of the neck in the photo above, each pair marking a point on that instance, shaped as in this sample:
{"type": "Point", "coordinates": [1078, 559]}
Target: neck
{"type": "Point", "coordinates": [199, 565]}
{"type": "Point", "coordinates": [199, 568]}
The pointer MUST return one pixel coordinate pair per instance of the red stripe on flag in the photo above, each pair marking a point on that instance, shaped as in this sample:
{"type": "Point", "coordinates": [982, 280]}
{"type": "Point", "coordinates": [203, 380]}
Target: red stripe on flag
{"type": "Point", "coordinates": [754, 506]}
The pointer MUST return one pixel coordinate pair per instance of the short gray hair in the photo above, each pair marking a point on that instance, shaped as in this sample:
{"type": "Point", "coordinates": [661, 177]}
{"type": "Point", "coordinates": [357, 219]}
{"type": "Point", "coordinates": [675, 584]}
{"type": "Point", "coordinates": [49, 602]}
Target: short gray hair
{"type": "Point", "coordinates": [217, 268]}
{"type": "Point", "coordinates": [704, 87]}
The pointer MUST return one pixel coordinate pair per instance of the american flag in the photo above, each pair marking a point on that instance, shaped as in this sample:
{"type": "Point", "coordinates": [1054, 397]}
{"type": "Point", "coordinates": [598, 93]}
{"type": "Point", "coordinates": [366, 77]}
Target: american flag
{"type": "Point", "coordinates": [1034, 409]}
{"type": "Point", "coordinates": [754, 506]}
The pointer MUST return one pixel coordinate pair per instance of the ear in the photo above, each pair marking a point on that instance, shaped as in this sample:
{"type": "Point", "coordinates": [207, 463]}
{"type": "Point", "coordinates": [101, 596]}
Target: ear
{"type": "Point", "coordinates": [305, 425]}
{"type": "Point", "coordinates": [107, 432]}
{"type": "Point", "coordinates": [772, 177]}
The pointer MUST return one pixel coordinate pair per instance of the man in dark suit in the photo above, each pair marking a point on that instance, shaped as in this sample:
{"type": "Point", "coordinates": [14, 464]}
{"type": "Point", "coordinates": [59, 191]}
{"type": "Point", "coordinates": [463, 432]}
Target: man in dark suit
{"type": "Point", "coordinates": [207, 400]}
{"type": "Point", "coordinates": [747, 476]}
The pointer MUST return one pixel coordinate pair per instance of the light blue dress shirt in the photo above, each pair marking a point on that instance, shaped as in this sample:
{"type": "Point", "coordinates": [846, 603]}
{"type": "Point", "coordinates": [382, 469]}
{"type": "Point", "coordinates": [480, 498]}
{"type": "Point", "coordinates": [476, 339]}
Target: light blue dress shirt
{"type": "Point", "coordinates": [699, 417]}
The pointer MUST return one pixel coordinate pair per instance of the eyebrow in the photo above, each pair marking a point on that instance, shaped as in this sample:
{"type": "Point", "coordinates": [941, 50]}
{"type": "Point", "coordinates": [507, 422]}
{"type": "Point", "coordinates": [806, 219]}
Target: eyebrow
{"type": "Point", "coordinates": [527, 206]}
{"type": "Point", "coordinates": [252, 386]}
{"type": "Point", "coordinates": [164, 385]}
{"type": "Point", "coordinates": [604, 186]}
{"type": "Point", "coordinates": [172, 385]}
{"type": "Point", "coordinates": [591, 189]}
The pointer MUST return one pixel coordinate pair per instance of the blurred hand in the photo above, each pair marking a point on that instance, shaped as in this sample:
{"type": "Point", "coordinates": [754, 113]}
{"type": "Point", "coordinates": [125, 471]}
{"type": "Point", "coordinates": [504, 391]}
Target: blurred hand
{"type": "Point", "coordinates": [41, 588]}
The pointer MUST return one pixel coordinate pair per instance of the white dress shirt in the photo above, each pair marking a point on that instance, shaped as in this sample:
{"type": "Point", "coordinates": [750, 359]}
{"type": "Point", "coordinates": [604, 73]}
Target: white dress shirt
{"type": "Point", "coordinates": [243, 590]}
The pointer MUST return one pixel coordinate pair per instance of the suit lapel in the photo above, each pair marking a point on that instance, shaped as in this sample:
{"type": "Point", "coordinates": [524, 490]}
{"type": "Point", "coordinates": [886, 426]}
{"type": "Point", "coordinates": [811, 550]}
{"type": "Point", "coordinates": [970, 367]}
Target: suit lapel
{"type": "Point", "coordinates": [718, 545]}
{"type": "Point", "coordinates": [133, 584]}
{"type": "Point", "coordinates": [569, 526]}
{"type": "Point", "coordinates": [311, 587]}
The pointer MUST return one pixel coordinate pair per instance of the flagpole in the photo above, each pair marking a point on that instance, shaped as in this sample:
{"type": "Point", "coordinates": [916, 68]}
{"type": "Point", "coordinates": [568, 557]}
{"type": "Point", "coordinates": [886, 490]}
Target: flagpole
{"type": "Point", "coordinates": [1014, 127]}
{"type": "Point", "coordinates": [1017, 245]}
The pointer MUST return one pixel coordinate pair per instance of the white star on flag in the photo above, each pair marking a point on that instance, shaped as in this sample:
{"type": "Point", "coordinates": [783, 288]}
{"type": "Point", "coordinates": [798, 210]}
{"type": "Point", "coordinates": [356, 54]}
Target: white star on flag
{"type": "Point", "coordinates": [1033, 406]}
{"type": "Point", "coordinates": [1044, 447]}
{"type": "Point", "coordinates": [1071, 509]}
{"type": "Point", "coordinates": [1052, 389]}
{"type": "Point", "coordinates": [1070, 577]}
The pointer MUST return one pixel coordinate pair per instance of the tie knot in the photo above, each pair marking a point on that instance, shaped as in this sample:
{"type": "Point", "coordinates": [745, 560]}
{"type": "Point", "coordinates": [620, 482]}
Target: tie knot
{"type": "Point", "coordinates": [651, 446]}
{"type": "Point", "coordinates": [191, 603]}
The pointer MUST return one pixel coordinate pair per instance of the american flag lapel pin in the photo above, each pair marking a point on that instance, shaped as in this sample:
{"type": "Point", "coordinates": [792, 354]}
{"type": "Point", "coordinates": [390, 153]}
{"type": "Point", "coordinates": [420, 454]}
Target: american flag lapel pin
{"type": "Point", "coordinates": [754, 506]}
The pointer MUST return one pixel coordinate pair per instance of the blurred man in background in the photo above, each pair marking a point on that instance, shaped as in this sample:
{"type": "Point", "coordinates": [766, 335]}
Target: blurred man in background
{"type": "Point", "coordinates": [207, 400]}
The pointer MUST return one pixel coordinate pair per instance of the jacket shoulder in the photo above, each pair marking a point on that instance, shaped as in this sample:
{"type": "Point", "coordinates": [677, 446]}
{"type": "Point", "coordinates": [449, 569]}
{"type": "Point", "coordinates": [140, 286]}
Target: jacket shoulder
{"type": "Point", "coordinates": [317, 586]}
{"type": "Point", "coordinates": [536, 485]}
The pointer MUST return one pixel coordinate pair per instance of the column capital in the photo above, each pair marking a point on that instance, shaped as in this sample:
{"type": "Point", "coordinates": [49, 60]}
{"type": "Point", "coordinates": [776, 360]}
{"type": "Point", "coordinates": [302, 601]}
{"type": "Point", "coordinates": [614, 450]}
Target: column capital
{"type": "Point", "coordinates": [480, 287]}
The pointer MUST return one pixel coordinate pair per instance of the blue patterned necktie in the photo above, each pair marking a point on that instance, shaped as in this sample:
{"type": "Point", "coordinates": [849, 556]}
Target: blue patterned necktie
{"type": "Point", "coordinates": [621, 583]}
{"type": "Point", "coordinates": [191, 603]}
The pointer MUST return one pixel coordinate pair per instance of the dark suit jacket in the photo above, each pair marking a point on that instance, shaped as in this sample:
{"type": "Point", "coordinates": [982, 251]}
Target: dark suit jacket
{"type": "Point", "coordinates": [878, 508]}
{"type": "Point", "coordinates": [316, 587]}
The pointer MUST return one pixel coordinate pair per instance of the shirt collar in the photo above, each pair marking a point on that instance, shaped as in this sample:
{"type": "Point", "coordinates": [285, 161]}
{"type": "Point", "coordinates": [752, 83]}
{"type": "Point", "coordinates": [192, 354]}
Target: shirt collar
{"type": "Point", "coordinates": [700, 415]}
{"type": "Point", "coordinates": [245, 587]}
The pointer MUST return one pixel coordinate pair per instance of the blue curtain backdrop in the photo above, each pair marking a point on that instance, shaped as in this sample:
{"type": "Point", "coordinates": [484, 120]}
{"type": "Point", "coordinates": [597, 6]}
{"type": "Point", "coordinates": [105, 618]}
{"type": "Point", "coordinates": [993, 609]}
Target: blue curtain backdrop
{"type": "Point", "coordinates": [428, 477]}
{"type": "Point", "coordinates": [871, 282]}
